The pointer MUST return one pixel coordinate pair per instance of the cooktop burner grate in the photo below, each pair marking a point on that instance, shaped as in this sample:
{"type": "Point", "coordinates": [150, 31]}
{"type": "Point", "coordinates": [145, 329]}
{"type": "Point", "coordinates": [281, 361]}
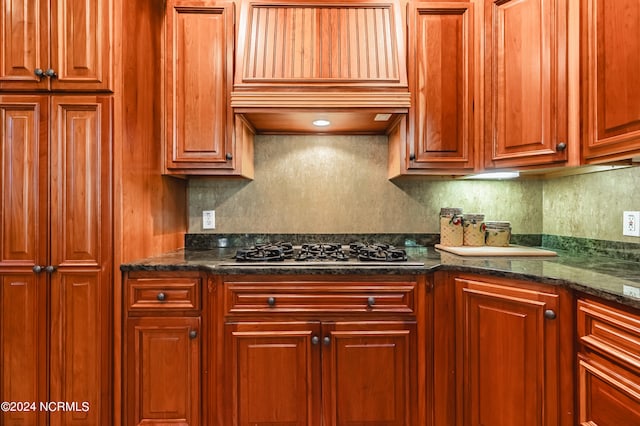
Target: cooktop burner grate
{"type": "Point", "coordinates": [280, 251]}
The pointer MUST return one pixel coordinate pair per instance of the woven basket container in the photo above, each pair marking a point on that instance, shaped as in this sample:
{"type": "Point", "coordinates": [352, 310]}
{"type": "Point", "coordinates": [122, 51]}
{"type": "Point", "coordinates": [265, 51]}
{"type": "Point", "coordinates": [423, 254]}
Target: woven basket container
{"type": "Point", "coordinates": [498, 234]}
{"type": "Point", "coordinates": [474, 229]}
{"type": "Point", "coordinates": [451, 233]}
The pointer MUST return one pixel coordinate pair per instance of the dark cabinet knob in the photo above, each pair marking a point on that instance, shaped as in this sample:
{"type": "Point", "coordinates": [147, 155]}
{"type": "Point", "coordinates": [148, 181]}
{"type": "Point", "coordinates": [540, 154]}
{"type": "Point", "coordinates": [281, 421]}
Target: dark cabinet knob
{"type": "Point", "coordinates": [229, 157]}
{"type": "Point", "coordinates": [315, 340]}
{"type": "Point", "coordinates": [50, 73]}
{"type": "Point", "coordinates": [161, 296]}
{"type": "Point", "coordinates": [37, 269]}
{"type": "Point", "coordinates": [193, 334]}
{"type": "Point", "coordinates": [271, 301]}
{"type": "Point", "coordinates": [371, 301]}
{"type": "Point", "coordinates": [326, 341]}
{"type": "Point", "coordinates": [412, 156]}
{"type": "Point", "coordinates": [549, 314]}
{"type": "Point", "coordinates": [561, 147]}
{"type": "Point", "coordinates": [50, 269]}
{"type": "Point", "coordinates": [39, 72]}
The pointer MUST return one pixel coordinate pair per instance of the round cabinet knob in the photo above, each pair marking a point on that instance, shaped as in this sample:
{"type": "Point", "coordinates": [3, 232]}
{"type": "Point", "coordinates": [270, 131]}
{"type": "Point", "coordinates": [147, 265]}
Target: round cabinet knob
{"type": "Point", "coordinates": [561, 146]}
{"type": "Point", "coordinates": [549, 314]}
{"type": "Point", "coordinates": [229, 156]}
{"type": "Point", "coordinates": [371, 301]}
{"type": "Point", "coordinates": [50, 269]}
{"type": "Point", "coordinates": [39, 72]}
{"type": "Point", "coordinates": [161, 296]}
{"type": "Point", "coordinates": [315, 340]}
{"type": "Point", "coordinates": [50, 73]}
{"type": "Point", "coordinates": [326, 341]}
{"type": "Point", "coordinates": [271, 301]}
{"type": "Point", "coordinates": [412, 156]}
{"type": "Point", "coordinates": [193, 334]}
{"type": "Point", "coordinates": [37, 269]}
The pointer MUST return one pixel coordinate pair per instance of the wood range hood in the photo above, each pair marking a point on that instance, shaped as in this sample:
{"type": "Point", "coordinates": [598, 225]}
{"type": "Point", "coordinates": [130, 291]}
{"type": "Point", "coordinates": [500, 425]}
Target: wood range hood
{"type": "Point", "coordinates": [299, 61]}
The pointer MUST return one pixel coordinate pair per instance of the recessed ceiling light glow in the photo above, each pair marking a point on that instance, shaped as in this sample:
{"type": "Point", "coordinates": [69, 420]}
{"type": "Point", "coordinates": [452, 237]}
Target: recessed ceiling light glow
{"type": "Point", "coordinates": [321, 123]}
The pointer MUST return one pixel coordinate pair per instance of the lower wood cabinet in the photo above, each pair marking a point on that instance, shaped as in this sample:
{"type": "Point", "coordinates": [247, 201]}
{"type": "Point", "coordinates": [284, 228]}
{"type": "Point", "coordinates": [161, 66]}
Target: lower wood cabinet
{"type": "Point", "coordinates": [608, 364]}
{"type": "Point", "coordinates": [163, 349]}
{"type": "Point", "coordinates": [323, 352]}
{"type": "Point", "coordinates": [513, 354]}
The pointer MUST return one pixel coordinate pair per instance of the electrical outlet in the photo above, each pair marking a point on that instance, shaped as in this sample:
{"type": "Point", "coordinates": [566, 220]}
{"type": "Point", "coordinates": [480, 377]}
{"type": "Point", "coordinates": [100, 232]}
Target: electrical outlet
{"type": "Point", "coordinates": [631, 224]}
{"type": "Point", "coordinates": [208, 219]}
{"type": "Point", "coordinates": [631, 291]}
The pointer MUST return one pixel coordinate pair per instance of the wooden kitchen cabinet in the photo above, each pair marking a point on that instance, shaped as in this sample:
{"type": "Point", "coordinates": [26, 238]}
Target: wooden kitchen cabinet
{"type": "Point", "coordinates": [202, 136]}
{"type": "Point", "coordinates": [163, 348]}
{"type": "Point", "coordinates": [513, 352]}
{"type": "Point", "coordinates": [610, 59]}
{"type": "Point", "coordinates": [526, 79]}
{"type": "Point", "coordinates": [441, 137]}
{"type": "Point", "coordinates": [55, 256]}
{"type": "Point", "coordinates": [324, 351]}
{"type": "Point", "coordinates": [608, 364]}
{"type": "Point", "coordinates": [56, 45]}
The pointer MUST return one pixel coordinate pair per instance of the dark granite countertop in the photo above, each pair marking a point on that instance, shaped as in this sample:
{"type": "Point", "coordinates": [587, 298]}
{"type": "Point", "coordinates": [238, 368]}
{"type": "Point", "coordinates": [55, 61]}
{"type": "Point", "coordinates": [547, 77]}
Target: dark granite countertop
{"type": "Point", "coordinates": [599, 276]}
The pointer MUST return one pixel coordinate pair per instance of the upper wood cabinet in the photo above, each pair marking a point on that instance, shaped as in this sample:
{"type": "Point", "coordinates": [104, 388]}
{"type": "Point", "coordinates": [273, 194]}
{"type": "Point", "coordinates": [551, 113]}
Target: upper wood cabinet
{"type": "Point", "coordinates": [525, 80]}
{"type": "Point", "coordinates": [55, 256]}
{"type": "Point", "coordinates": [201, 134]}
{"type": "Point", "coordinates": [56, 45]}
{"type": "Point", "coordinates": [442, 76]}
{"type": "Point", "coordinates": [610, 60]}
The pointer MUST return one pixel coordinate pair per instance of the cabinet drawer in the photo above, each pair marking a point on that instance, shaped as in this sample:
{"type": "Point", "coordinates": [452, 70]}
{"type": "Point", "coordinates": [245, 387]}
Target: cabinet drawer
{"type": "Point", "coordinates": [610, 331]}
{"type": "Point", "coordinates": [307, 296]}
{"type": "Point", "coordinates": [178, 293]}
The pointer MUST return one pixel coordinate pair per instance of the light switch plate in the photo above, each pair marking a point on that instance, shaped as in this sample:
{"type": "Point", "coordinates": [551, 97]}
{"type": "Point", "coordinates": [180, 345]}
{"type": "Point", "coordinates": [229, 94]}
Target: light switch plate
{"type": "Point", "coordinates": [631, 291]}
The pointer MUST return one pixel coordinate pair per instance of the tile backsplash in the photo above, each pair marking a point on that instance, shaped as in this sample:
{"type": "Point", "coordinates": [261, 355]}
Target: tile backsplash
{"type": "Point", "coordinates": [338, 184]}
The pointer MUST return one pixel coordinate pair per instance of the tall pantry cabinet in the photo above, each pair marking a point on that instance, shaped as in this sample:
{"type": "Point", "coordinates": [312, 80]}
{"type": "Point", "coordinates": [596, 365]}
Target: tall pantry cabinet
{"type": "Point", "coordinates": [56, 167]}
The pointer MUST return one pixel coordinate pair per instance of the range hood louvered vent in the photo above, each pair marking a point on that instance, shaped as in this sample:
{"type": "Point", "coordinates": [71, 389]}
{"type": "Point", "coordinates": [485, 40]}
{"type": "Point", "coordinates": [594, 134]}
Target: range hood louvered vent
{"type": "Point", "coordinates": [300, 60]}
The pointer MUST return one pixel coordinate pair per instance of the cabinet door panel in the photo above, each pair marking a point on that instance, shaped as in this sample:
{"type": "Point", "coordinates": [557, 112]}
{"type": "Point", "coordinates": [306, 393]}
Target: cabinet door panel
{"type": "Point", "coordinates": [507, 355]}
{"type": "Point", "coordinates": [525, 76]}
{"type": "Point", "coordinates": [24, 44]}
{"type": "Point", "coordinates": [274, 373]}
{"type": "Point", "coordinates": [611, 93]}
{"type": "Point", "coordinates": [80, 196]}
{"type": "Point", "coordinates": [163, 371]}
{"type": "Point", "coordinates": [23, 183]}
{"type": "Point", "coordinates": [200, 51]}
{"type": "Point", "coordinates": [79, 344]}
{"type": "Point", "coordinates": [23, 325]}
{"type": "Point", "coordinates": [442, 78]}
{"type": "Point", "coordinates": [367, 374]}
{"type": "Point", "coordinates": [81, 51]}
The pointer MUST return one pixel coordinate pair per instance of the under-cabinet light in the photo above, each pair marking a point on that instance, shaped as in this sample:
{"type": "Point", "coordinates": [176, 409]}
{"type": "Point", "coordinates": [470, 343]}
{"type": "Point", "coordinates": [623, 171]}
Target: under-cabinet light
{"type": "Point", "coordinates": [494, 175]}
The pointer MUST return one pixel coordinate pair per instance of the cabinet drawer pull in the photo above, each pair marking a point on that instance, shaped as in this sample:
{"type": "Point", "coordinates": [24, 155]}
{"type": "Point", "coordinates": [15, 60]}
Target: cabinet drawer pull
{"type": "Point", "coordinates": [193, 334]}
{"type": "Point", "coordinates": [271, 301]}
{"type": "Point", "coordinates": [161, 297]}
{"type": "Point", "coordinates": [549, 314]}
{"type": "Point", "coordinates": [315, 340]}
{"type": "Point", "coordinates": [326, 341]}
{"type": "Point", "coordinates": [371, 301]}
